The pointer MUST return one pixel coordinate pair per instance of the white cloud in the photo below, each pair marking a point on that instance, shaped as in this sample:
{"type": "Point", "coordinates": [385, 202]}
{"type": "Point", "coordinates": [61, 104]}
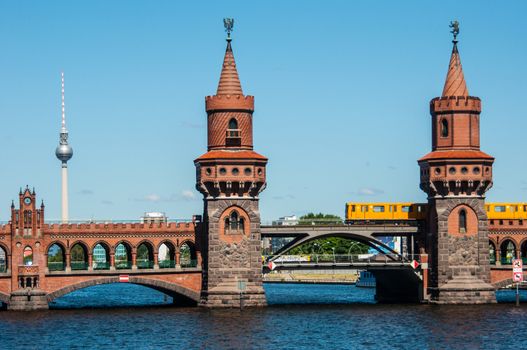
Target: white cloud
{"type": "Point", "coordinates": [369, 191]}
{"type": "Point", "coordinates": [188, 195]}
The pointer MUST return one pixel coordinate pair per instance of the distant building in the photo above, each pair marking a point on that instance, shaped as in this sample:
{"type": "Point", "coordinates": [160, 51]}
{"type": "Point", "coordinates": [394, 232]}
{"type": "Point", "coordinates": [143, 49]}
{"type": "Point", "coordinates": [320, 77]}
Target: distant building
{"type": "Point", "coordinates": [154, 218]}
{"type": "Point", "coordinates": [286, 221]}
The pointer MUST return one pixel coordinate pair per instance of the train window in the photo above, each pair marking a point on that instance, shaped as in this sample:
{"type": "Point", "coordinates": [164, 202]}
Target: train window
{"type": "Point", "coordinates": [514, 208]}
{"type": "Point", "coordinates": [353, 208]}
{"type": "Point", "coordinates": [406, 209]}
{"type": "Point", "coordinates": [444, 128]}
{"type": "Point", "coordinates": [525, 208]}
{"type": "Point", "coordinates": [378, 208]}
{"type": "Point", "coordinates": [364, 208]}
{"type": "Point", "coordinates": [499, 208]}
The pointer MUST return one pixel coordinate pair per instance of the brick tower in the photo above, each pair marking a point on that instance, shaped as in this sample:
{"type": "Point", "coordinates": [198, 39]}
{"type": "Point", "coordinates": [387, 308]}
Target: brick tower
{"type": "Point", "coordinates": [230, 176]}
{"type": "Point", "coordinates": [456, 175]}
{"type": "Point", "coordinates": [28, 269]}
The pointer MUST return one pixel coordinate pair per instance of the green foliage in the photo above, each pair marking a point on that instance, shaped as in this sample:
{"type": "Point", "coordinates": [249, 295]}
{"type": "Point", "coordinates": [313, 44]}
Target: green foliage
{"type": "Point", "coordinates": [343, 246]}
{"type": "Point", "coordinates": [320, 219]}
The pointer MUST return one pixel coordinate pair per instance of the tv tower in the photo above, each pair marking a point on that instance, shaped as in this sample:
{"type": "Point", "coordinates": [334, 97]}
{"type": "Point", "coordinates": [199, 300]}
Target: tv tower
{"type": "Point", "coordinates": [64, 152]}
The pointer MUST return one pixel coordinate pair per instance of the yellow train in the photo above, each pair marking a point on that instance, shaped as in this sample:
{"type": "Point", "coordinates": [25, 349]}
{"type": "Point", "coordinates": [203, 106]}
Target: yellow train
{"type": "Point", "coordinates": [385, 211]}
{"type": "Point", "coordinates": [356, 211]}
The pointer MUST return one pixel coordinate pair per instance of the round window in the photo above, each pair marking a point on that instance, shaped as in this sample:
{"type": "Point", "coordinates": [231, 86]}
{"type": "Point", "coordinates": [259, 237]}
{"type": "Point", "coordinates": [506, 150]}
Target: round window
{"type": "Point", "coordinates": [464, 170]}
{"type": "Point", "coordinates": [476, 170]}
{"type": "Point", "coordinates": [235, 171]}
{"type": "Point", "coordinates": [208, 171]}
{"type": "Point", "coordinates": [437, 171]}
{"type": "Point", "coordinates": [487, 170]}
{"type": "Point", "coordinates": [223, 171]}
{"type": "Point", "coordinates": [260, 171]}
{"type": "Point", "coordinates": [247, 171]}
{"type": "Point", "coordinates": [452, 170]}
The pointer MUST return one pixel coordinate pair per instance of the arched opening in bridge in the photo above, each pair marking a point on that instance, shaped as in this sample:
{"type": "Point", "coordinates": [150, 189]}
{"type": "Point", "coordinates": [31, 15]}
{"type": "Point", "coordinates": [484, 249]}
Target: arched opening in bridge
{"type": "Point", "coordinates": [79, 257]}
{"type": "Point", "coordinates": [508, 252]}
{"type": "Point", "coordinates": [3, 260]}
{"type": "Point", "coordinates": [28, 256]}
{"type": "Point", "coordinates": [331, 248]}
{"type": "Point", "coordinates": [56, 258]}
{"type": "Point", "coordinates": [123, 256]}
{"type": "Point", "coordinates": [492, 253]}
{"type": "Point", "coordinates": [523, 251]}
{"type": "Point", "coordinates": [188, 257]}
{"type": "Point", "coordinates": [234, 223]}
{"type": "Point", "coordinates": [119, 295]}
{"type": "Point", "coordinates": [166, 255]}
{"type": "Point", "coordinates": [101, 256]}
{"type": "Point", "coordinates": [145, 256]}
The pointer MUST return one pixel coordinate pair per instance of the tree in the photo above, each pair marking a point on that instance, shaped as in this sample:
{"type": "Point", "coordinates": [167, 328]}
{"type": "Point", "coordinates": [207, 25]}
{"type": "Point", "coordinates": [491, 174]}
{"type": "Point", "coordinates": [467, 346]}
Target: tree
{"type": "Point", "coordinates": [320, 219]}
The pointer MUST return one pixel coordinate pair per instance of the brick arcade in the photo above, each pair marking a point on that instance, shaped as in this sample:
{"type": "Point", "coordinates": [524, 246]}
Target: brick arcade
{"type": "Point", "coordinates": [222, 248]}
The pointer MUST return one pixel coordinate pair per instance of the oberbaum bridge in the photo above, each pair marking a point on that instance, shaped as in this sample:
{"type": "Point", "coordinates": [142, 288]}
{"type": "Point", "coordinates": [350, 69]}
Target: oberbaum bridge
{"type": "Point", "coordinates": [449, 250]}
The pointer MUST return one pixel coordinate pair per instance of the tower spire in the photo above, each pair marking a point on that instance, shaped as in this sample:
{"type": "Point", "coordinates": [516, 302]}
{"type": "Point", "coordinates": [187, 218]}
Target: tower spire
{"type": "Point", "coordinates": [229, 80]}
{"type": "Point", "coordinates": [64, 152]}
{"type": "Point", "coordinates": [455, 84]}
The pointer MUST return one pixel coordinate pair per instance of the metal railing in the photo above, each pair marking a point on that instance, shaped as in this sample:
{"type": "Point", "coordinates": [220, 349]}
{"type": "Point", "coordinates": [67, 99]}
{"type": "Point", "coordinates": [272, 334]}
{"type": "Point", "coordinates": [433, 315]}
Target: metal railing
{"type": "Point", "coordinates": [233, 133]}
{"type": "Point", "coordinates": [342, 259]}
{"type": "Point", "coordinates": [167, 264]}
{"type": "Point", "coordinates": [123, 265]}
{"type": "Point", "coordinates": [145, 264]}
{"type": "Point", "coordinates": [56, 266]}
{"type": "Point", "coordinates": [79, 265]}
{"type": "Point", "coordinates": [189, 263]}
{"type": "Point", "coordinates": [101, 265]}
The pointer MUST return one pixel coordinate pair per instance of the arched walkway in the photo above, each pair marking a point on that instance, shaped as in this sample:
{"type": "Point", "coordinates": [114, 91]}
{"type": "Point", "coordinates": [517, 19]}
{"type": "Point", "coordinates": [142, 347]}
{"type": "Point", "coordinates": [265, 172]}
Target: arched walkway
{"type": "Point", "coordinates": [123, 256]}
{"type": "Point", "coordinates": [166, 255]}
{"type": "Point", "coordinates": [56, 257]}
{"type": "Point", "coordinates": [492, 253]}
{"type": "Point", "coordinates": [180, 293]}
{"type": "Point", "coordinates": [3, 260]}
{"type": "Point", "coordinates": [508, 251]}
{"type": "Point", "coordinates": [188, 256]}
{"type": "Point", "coordinates": [101, 256]}
{"type": "Point", "coordinates": [79, 256]}
{"type": "Point", "coordinates": [145, 256]}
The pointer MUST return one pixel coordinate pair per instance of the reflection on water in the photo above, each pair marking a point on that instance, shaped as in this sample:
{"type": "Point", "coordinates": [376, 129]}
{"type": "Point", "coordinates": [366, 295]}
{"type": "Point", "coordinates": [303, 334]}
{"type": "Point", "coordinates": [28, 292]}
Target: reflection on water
{"type": "Point", "coordinates": [356, 322]}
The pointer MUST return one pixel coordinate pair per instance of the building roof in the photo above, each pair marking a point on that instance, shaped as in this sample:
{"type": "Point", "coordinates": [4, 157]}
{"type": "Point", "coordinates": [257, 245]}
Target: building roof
{"type": "Point", "coordinates": [456, 154]}
{"type": "Point", "coordinates": [229, 81]}
{"type": "Point", "coordinates": [455, 84]}
{"type": "Point", "coordinates": [231, 155]}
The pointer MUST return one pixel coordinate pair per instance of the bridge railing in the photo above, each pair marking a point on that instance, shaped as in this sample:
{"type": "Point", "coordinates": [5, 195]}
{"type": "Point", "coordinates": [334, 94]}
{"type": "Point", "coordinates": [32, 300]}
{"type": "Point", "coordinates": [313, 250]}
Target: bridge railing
{"type": "Point", "coordinates": [342, 259]}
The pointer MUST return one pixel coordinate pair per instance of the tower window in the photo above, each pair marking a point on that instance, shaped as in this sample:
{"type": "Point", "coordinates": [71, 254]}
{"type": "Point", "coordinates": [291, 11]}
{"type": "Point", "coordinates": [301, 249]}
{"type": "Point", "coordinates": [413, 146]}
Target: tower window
{"type": "Point", "coordinates": [234, 223]}
{"type": "Point", "coordinates": [462, 221]}
{"type": "Point", "coordinates": [233, 135]}
{"type": "Point", "coordinates": [444, 128]}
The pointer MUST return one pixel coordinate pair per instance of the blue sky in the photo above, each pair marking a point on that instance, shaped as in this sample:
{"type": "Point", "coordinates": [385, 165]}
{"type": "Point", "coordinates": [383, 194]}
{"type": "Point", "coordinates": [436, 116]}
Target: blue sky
{"type": "Point", "coordinates": [341, 87]}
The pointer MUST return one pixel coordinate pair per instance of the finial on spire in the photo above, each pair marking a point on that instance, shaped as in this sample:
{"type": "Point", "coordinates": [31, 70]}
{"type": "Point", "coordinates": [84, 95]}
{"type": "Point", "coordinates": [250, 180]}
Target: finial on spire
{"type": "Point", "coordinates": [455, 29]}
{"type": "Point", "coordinates": [228, 23]}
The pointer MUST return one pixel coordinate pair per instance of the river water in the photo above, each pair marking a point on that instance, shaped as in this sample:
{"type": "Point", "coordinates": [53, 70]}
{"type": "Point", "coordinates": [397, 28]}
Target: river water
{"type": "Point", "coordinates": [299, 317]}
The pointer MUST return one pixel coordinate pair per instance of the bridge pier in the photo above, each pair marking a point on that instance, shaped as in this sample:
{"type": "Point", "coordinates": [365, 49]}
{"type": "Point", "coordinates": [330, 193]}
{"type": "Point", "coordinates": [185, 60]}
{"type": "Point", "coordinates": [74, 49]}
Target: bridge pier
{"type": "Point", "coordinates": [28, 300]}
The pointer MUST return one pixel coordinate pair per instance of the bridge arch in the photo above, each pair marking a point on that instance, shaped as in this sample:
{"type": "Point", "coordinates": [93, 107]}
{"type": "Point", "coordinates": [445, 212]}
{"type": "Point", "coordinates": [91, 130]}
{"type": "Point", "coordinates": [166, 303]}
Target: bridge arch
{"type": "Point", "coordinates": [100, 255]}
{"type": "Point", "coordinates": [56, 256]}
{"type": "Point", "coordinates": [79, 255]}
{"type": "Point", "coordinates": [188, 253]}
{"type": "Point", "coordinates": [166, 254]}
{"type": "Point", "coordinates": [370, 241]}
{"type": "Point", "coordinates": [123, 255]}
{"type": "Point", "coordinates": [508, 249]}
{"type": "Point", "coordinates": [144, 254]}
{"type": "Point", "coordinates": [184, 294]}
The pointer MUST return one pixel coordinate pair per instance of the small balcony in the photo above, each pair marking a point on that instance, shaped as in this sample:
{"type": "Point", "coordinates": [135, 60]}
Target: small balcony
{"type": "Point", "coordinates": [233, 133]}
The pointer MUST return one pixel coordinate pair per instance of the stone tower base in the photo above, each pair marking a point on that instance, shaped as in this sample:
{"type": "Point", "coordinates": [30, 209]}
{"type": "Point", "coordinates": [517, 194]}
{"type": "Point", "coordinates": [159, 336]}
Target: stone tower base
{"type": "Point", "coordinates": [28, 300]}
{"type": "Point", "coordinates": [464, 290]}
{"type": "Point", "coordinates": [229, 296]}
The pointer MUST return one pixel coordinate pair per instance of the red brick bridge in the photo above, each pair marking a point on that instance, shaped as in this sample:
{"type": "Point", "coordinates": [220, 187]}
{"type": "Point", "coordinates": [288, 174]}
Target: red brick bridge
{"type": "Point", "coordinates": [40, 262]}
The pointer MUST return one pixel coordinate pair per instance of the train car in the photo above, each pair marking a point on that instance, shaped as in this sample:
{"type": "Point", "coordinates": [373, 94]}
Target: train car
{"type": "Point", "coordinates": [508, 211]}
{"type": "Point", "coordinates": [356, 211]}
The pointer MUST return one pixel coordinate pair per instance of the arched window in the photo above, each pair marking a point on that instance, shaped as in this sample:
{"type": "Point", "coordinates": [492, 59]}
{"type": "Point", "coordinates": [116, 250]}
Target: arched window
{"type": "Point", "coordinates": [145, 256]}
{"type": "Point", "coordinates": [79, 257]}
{"type": "Point", "coordinates": [188, 256]}
{"type": "Point", "coordinates": [462, 221]}
{"type": "Point", "coordinates": [56, 258]}
{"type": "Point", "coordinates": [28, 256]}
{"type": "Point", "coordinates": [234, 223]}
{"type": "Point", "coordinates": [3, 260]}
{"type": "Point", "coordinates": [444, 128]}
{"type": "Point", "coordinates": [101, 257]}
{"type": "Point", "coordinates": [492, 253]}
{"type": "Point", "coordinates": [508, 252]}
{"type": "Point", "coordinates": [233, 124]}
{"type": "Point", "coordinates": [123, 256]}
{"type": "Point", "coordinates": [166, 256]}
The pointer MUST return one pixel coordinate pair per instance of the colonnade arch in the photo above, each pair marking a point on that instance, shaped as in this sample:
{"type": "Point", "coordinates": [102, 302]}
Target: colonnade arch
{"type": "Point", "coordinates": [122, 255]}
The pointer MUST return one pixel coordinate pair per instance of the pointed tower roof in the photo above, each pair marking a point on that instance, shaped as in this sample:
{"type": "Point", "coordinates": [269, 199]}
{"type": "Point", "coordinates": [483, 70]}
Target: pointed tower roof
{"type": "Point", "coordinates": [455, 84]}
{"type": "Point", "coordinates": [229, 81]}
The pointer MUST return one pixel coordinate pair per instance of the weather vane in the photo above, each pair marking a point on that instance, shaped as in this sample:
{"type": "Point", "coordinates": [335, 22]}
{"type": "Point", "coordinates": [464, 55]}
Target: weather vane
{"type": "Point", "coordinates": [455, 29]}
{"type": "Point", "coordinates": [228, 23]}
